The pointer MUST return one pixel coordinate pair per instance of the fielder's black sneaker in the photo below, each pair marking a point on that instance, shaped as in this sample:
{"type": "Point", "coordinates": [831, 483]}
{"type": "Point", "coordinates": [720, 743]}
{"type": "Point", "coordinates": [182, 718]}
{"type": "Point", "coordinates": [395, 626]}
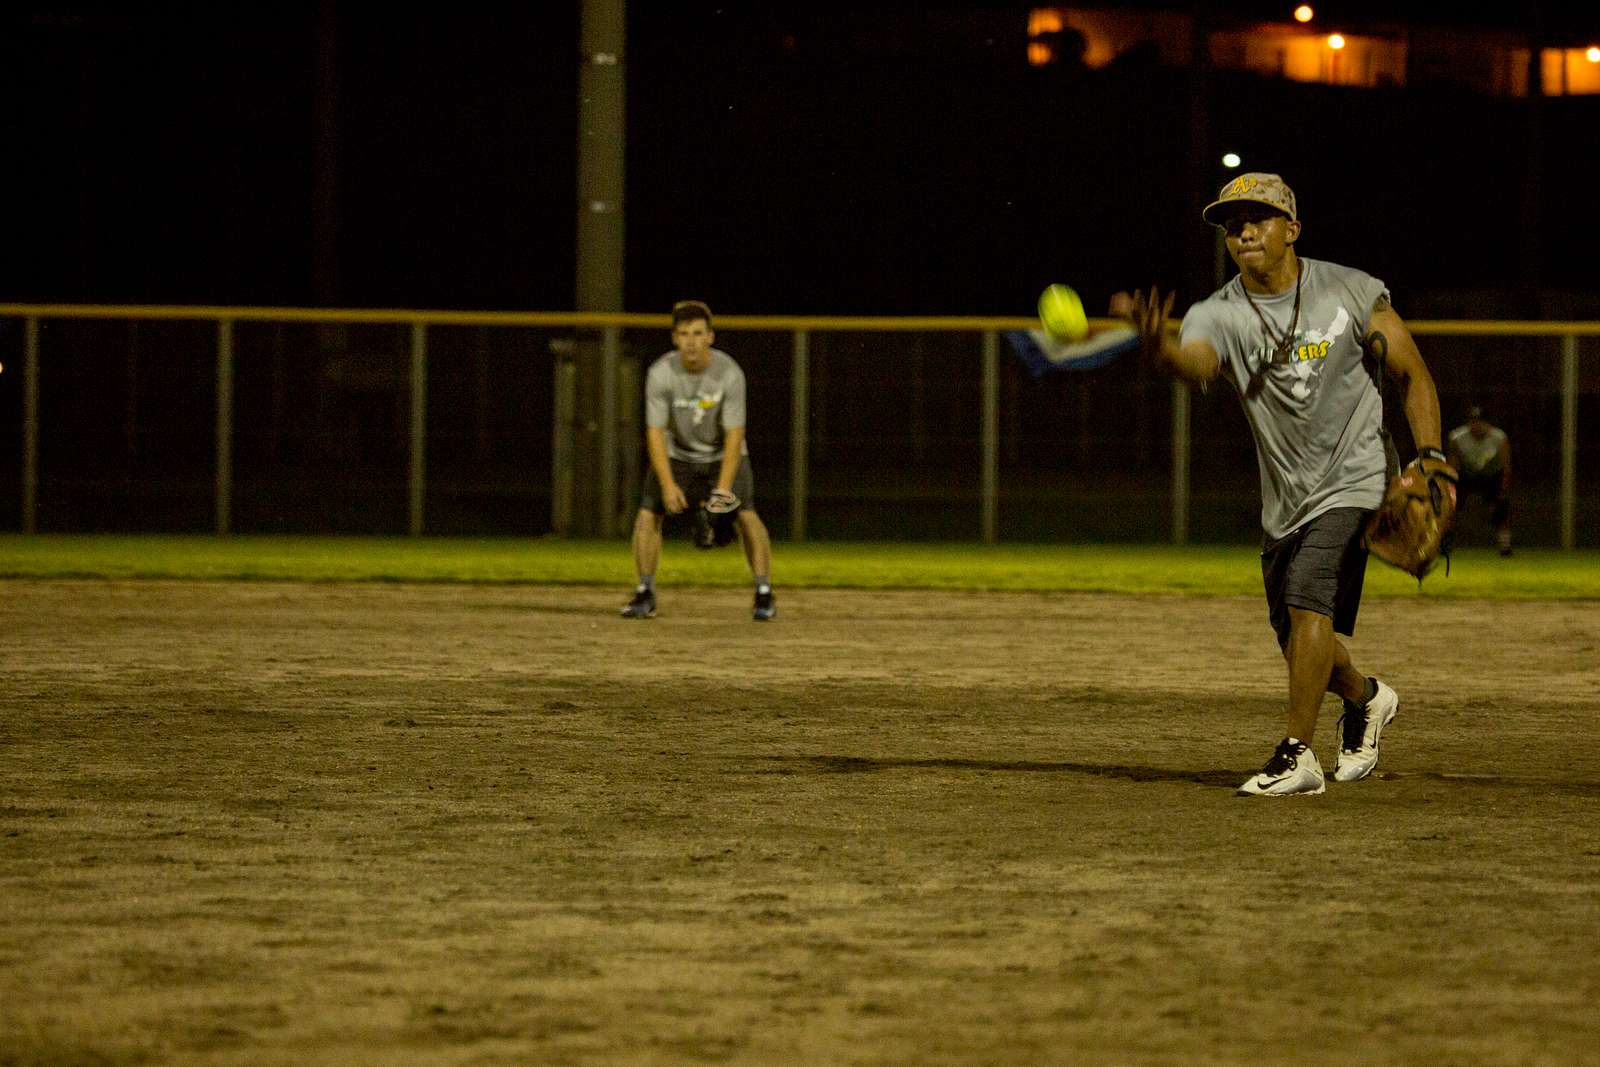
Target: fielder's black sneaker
{"type": "Point", "coordinates": [1292, 769]}
{"type": "Point", "coordinates": [642, 606]}
{"type": "Point", "coordinates": [766, 604]}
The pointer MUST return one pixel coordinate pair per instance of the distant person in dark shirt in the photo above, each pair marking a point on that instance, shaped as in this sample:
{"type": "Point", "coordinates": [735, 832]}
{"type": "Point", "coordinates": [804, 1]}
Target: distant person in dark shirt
{"type": "Point", "coordinates": [1481, 452]}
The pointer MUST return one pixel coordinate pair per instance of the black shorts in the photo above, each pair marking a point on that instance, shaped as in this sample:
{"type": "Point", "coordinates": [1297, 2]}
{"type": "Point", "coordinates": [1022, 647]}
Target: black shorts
{"type": "Point", "coordinates": [1486, 487]}
{"type": "Point", "coordinates": [697, 480]}
{"type": "Point", "coordinates": [1319, 567]}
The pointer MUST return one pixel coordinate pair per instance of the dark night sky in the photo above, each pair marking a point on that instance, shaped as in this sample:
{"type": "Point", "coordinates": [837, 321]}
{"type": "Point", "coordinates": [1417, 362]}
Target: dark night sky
{"type": "Point", "coordinates": [163, 152]}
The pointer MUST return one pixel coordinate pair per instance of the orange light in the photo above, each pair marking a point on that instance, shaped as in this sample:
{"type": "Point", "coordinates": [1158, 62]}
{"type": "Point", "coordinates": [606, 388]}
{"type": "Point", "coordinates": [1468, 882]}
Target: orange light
{"type": "Point", "coordinates": [1335, 41]}
{"type": "Point", "coordinates": [1593, 54]}
{"type": "Point", "coordinates": [1045, 20]}
{"type": "Point", "coordinates": [1303, 13]}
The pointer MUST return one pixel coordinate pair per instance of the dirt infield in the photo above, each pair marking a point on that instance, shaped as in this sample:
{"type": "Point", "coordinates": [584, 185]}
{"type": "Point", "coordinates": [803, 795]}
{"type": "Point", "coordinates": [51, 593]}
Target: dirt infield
{"type": "Point", "coordinates": [325, 824]}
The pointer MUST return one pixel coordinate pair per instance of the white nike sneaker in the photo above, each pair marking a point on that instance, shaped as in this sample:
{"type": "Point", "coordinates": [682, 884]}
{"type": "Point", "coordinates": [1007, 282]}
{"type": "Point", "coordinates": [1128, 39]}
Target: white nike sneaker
{"type": "Point", "coordinates": [1360, 729]}
{"type": "Point", "coordinates": [1292, 769]}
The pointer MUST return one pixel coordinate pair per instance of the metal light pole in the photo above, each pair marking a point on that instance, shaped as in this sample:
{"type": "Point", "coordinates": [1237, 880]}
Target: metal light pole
{"type": "Point", "coordinates": [602, 102]}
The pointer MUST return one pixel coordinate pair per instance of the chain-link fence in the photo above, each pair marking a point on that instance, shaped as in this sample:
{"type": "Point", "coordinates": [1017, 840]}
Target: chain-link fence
{"type": "Point", "coordinates": [858, 429]}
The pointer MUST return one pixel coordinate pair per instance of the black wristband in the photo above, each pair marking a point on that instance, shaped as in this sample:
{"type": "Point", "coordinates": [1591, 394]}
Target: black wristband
{"type": "Point", "coordinates": [1432, 453]}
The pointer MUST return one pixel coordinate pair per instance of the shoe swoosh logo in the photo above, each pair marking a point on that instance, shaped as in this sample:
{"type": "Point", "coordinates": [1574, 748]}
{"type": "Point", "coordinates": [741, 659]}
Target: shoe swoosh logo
{"type": "Point", "coordinates": [1268, 783]}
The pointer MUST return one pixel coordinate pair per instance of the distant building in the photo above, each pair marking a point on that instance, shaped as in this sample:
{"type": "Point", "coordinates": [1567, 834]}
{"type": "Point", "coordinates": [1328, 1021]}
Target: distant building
{"type": "Point", "coordinates": [1371, 55]}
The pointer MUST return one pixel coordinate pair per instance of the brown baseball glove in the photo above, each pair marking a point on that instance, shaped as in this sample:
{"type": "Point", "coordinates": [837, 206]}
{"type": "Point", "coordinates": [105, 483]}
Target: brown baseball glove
{"type": "Point", "coordinates": [1411, 528]}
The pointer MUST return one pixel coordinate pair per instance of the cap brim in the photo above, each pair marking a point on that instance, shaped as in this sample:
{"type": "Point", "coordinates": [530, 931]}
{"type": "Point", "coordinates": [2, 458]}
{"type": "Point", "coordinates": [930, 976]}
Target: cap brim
{"type": "Point", "coordinates": [1216, 211]}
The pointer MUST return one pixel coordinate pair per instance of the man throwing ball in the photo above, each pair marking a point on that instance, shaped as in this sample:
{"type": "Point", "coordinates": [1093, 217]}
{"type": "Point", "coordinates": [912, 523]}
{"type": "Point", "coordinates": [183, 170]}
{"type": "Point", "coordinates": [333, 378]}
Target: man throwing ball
{"type": "Point", "coordinates": [694, 412]}
{"type": "Point", "coordinates": [1302, 340]}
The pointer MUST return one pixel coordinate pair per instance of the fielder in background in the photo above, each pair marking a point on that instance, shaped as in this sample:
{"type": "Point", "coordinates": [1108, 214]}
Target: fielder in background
{"type": "Point", "coordinates": [1302, 341]}
{"type": "Point", "coordinates": [1482, 453]}
{"type": "Point", "coordinates": [694, 413]}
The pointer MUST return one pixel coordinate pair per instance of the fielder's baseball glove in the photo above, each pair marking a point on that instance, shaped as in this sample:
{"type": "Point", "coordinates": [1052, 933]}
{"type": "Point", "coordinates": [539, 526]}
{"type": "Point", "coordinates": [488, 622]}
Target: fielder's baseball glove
{"type": "Point", "coordinates": [714, 520]}
{"type": "Point", "coordinates": [1411, 528]}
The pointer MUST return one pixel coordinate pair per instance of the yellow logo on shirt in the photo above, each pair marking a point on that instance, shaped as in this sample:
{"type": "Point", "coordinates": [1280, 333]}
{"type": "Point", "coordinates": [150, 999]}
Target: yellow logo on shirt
{"type": "Point", "coordinates": [698, 404]}
{"type": "Point", "coordinates": [703, 402]}
{"type": "Point", "coordinates": [1314, 350]}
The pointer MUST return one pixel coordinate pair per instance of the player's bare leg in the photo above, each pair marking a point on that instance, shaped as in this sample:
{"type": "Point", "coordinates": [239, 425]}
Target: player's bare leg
{"type": "Point", "coordinates": [1320, 663]}
{"type": "Point", "coordinates": [1293, 768]}
{"type": "Point", "coordinates": [1346, 681]}
{"type": "Point", "coordinates": [756, 542]}
{"type": "Point", "coordinates": [1311, 655]}
{"type": "Point", "coordinates": [646, 542]}
{"type": "Point", "coordinates": [646, 557]}
{"type": "Point", "coordinates": [757, 546]}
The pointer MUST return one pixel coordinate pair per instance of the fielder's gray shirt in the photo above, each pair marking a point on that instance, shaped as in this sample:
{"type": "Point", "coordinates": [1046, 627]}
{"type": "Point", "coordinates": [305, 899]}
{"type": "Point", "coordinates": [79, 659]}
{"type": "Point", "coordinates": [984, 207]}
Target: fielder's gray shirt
{"type": "Point", "coordinates": [695, 409]}
{"type": "Point", "coordinates": [1480, 458]}
{"type": "Point", "coordinates": [1316, 415]}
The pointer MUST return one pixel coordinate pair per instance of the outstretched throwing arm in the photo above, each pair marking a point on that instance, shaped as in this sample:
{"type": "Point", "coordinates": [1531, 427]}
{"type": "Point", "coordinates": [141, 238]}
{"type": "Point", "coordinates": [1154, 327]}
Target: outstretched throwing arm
{"type": "Point", "coordinates": [1149, 312]}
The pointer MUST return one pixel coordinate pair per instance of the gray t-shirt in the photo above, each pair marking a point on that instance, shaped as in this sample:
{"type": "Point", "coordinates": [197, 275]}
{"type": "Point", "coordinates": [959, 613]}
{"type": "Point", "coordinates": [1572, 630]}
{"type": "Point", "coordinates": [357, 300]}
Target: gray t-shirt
{"type": "Point", "coordinates": [1480, 458]}
{"type": "Point", "coordinates": [695, 409]}
{"type": "Point", "coordinates": [1316, 415]}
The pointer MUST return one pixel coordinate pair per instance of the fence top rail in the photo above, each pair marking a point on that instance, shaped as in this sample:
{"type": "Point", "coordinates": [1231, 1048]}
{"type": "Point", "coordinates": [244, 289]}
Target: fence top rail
{"type": "Point", "coordinates": [409, 316]}
{"type": "Point", "coordinates": [578, 319]}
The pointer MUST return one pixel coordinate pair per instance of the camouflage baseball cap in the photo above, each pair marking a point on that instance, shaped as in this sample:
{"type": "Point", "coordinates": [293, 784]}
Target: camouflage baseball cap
{"type": "Point", "coordinates": [1268, 189]}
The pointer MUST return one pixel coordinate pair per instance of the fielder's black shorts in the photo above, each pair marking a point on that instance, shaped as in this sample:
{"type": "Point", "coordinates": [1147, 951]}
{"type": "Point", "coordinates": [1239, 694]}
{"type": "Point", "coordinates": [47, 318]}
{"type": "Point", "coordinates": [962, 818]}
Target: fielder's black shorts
{"type": "Point", "coordinates": [1485, 487]}
{"type": "Point", "coordinates": [1319, 567]}
{"type": "Point", "coordinates": [697, 480]}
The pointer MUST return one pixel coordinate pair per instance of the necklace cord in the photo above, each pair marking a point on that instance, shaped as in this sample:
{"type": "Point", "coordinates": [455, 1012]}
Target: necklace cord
{"type": "Point", "coordinates": [1280, 345]}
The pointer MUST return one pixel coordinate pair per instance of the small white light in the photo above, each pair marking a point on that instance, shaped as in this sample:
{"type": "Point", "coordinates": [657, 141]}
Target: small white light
{"type": "Point", "coordinates": [1231, 159]}
{"type": "Point", "coordinates": [1303, 13]}
{"type": "Point", "coordinates": [1593, 54]}
{"type": "Point", "coordinates": [1335, 41]}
